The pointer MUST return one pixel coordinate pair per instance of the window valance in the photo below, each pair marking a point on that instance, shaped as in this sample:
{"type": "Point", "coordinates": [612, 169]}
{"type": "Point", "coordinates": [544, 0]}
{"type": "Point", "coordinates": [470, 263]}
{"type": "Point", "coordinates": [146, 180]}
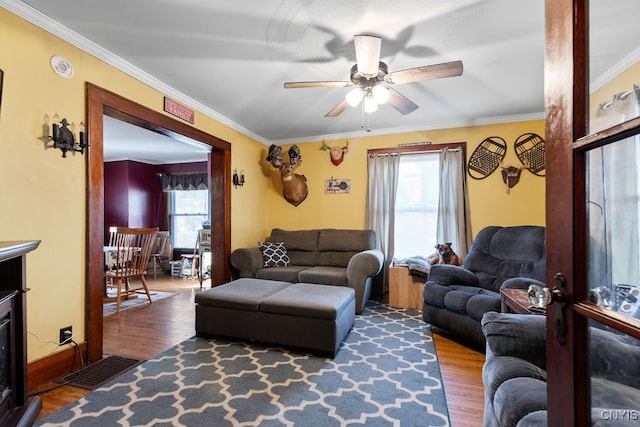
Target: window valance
{"type": "Point", "coordinates": [197, 181]}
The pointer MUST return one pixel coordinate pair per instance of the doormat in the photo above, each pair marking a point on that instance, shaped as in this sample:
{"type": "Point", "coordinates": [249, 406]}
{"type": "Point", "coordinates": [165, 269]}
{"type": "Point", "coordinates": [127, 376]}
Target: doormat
{"type": "Point", "coordinates": [96, 374]}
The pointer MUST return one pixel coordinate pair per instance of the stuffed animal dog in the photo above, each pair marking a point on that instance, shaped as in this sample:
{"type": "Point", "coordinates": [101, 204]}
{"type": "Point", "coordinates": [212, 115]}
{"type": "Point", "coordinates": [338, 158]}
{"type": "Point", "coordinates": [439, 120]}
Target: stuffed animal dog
{"type": "Point", "coordinates": [445, 255]}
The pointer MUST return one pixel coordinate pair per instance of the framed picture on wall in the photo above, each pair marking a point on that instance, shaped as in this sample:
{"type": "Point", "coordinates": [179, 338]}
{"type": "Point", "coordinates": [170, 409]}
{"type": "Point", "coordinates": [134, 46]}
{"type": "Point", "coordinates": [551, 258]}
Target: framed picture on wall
{"type": "Point", "coordinates": [337, 186]}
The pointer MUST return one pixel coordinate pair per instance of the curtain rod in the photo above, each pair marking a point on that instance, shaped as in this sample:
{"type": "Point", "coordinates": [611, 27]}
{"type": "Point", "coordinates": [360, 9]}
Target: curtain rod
{"type": "Point", "coordinates": [409, 153]}
{"type": "Point", "coordinates": [622, 95]}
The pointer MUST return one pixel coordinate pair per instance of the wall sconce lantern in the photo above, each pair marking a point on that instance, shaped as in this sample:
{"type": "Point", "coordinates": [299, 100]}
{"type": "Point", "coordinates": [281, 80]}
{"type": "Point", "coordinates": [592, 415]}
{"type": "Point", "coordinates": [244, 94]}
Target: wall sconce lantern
{"type": "Point", "coordinates": [238, 180]}
{"type": "Point", "coordinates": [63, 138]}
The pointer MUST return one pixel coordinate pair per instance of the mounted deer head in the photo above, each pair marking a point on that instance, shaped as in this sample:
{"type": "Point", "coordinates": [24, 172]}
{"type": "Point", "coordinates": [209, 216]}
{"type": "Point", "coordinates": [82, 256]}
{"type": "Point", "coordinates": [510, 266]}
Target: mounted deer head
{"type": "Point", "coordinates": [294, 186]}
{"type": "Point", "coordinates": [337, 153]}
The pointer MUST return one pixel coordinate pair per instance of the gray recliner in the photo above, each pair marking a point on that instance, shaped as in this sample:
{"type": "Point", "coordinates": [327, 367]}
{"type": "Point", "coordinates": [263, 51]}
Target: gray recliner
{"type": "Point", "coordinates": [514, 374]}
{"type": "Point", "coordinates": [456, 298]}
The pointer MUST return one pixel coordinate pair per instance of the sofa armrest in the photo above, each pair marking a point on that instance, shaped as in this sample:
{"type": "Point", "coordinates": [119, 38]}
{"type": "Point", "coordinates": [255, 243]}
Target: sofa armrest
{"type": "Point", "coordinates": [521, 283]}
{"type": "Point", "coordinates": [360, 268]}
{"type": "Point", "coordinates": [518, 335]}
{"type": "Point", "coordinates": [365, 264]}
{"type": "Point", "coordinates": [246, 261]}
{"type": "Point", "coordinates": [447, 275]}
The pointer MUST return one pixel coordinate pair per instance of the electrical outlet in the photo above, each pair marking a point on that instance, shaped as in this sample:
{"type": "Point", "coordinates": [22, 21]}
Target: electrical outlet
{"type": "Point", "coordinates": [65, 335]}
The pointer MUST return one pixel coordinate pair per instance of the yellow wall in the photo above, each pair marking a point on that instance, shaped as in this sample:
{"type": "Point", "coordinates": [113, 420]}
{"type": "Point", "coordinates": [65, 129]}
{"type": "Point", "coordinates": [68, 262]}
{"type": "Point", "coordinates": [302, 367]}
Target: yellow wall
{"type": "Point", "coordinates": [42, 196]}
{"type": "Point", "coordinates": [489, 202]}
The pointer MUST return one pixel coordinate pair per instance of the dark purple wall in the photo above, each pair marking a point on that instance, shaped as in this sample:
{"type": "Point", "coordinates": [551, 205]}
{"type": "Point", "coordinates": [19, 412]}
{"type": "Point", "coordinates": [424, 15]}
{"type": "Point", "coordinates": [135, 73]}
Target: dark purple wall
{"type": "Point", "coordinates": [132, 193]}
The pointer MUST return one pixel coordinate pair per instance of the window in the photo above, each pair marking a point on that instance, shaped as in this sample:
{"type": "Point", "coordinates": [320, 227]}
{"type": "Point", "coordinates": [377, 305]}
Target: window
{"type": "Point", "coordinates": [187, 211]}
{"type": "Point", "coordinates": [416, 209]}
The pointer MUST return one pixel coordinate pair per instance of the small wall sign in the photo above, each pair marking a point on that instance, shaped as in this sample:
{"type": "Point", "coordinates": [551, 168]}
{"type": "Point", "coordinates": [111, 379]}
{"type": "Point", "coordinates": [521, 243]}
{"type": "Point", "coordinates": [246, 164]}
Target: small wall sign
{"type": "Point", "coordinates": [178, 110]}
{"type": "Point", "coordinates": [337, 186]}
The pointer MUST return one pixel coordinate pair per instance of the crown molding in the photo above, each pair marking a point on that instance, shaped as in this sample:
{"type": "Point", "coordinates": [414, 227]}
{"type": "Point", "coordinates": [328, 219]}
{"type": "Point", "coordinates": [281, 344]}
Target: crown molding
{"type": "Point", "coordinates": [39, 19]}
{"type": "Point", "coordinates": [434, 126]}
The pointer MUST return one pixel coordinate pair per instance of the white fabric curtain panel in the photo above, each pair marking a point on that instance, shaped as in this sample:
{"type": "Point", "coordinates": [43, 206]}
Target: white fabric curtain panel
{"type": "Point", "coordinates": [614, 205]}
{"type": "Point", "coordinates": [453, 208]}
{"type": "Point", "coordinates": [380, 205]}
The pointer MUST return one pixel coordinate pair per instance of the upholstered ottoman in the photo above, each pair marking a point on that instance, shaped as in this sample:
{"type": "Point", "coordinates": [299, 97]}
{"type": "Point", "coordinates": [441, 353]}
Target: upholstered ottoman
{"type": "Point", "coordinates": [315, 317]}
{"type": "Point", "coordinates": [231, 309]}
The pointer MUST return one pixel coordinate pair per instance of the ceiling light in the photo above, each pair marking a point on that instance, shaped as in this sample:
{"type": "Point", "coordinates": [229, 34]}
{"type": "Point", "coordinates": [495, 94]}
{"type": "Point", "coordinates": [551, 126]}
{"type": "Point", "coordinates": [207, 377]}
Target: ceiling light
{"type": "Point", "coordinates": [380, 94]}
{"type": "Point", "coordinates": [354, 96]}
{"type": "Point", "coordinates": [370, 104]}
{"type": "Point", "coordinates": [367, 54]}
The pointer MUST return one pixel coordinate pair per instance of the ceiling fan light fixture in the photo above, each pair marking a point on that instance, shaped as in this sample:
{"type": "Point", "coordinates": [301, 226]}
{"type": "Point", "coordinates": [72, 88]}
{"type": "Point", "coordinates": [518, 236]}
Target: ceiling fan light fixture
{"type": "Point", "coordinates": [370, 104]}
{"type": "Point", "coordinates": [380, 94]}
{"type": "Point", "coordinates": [354, 96]}
{"type": "Point", "coordinates": [367, 54]}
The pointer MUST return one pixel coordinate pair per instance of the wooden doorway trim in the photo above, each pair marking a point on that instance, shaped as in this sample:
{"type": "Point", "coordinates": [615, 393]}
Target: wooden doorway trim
{"type": "Point", "coordinates": [100, 102]}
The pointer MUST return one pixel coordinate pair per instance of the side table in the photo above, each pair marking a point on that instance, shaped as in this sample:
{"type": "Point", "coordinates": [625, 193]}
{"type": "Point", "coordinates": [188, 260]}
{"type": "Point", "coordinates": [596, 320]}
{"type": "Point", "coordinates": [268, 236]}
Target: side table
{"type": "Point", "coordinates": [516, 301]}
{"type": "Point", "coordinates": [405, 290]}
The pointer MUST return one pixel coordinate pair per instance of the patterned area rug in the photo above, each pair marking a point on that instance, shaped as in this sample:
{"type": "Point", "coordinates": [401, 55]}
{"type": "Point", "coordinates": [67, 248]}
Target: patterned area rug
{"type": "Point", "coordinates": [386, 373]}
{"type": "Point", "coordinates": [110, 308]}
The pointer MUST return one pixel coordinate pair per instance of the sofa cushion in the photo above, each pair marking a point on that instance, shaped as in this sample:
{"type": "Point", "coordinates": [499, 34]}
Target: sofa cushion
{"type": "Point", "coordinates": [285, 274]}
{"type": "Point", "coordinates": [481, 303]}
{"type": "Point", "coordinates": [518, 397]}
{"type": "Point", "coordinates": [335, 258]}
{"type": "Point", "coordinates": [499, 253]}
{"type": "Point", "coordinates": [324, 275]}
{"type": "Point", "coordinates": [346, 240]}
{"type": "Point", "coordinates": [298, 240]}
{"type": "Point", "coordinates": [274, 254]}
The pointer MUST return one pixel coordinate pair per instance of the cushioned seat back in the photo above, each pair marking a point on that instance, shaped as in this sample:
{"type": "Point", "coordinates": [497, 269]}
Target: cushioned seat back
{"type": "Point", "coordinates": [337, 247]}
{"type": "Point", "coordinates": [302, 245]}
{"type": "Point", "coordinates": [328, 246]}
{"type": "Point", "coordinates": [499, 253]}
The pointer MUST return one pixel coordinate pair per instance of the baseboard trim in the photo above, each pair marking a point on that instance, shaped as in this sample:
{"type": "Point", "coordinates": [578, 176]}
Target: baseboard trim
{"type": "Point", "coordinates": [47, 369]}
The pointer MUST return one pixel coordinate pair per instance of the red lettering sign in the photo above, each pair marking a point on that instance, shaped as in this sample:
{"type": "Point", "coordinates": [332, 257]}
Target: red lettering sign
{"type": "Point", "coordinates": [178, 110]}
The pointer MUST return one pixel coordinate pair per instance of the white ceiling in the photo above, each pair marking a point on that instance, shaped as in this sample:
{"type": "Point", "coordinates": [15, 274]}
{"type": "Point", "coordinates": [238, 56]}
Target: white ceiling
{"type": "Point", "coordinates": [230, 59]}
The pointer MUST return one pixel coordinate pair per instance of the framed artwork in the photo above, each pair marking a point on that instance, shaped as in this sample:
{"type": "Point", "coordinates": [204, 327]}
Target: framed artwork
{"type": "Point", "coordinates": [337, 186]}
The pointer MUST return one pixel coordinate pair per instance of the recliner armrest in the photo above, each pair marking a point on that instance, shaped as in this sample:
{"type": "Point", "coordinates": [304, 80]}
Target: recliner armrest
{"type": "Point", "coordinates": [447, 275]}
{"type": "Point", "coordinates": [246, 261]}
{"type": "Point", "coordinates": [518, 335]}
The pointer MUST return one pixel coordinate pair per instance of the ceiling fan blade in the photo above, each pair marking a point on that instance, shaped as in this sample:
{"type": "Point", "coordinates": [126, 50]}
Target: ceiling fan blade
{"type": "Point", "coordinates": [338, 109]}
{"type": "Point", "coordinates": [436, 71]}
{"type": "Point", "coordinates": [401, 102]}
{"type": "Point", "coordinates": [297, 85]}
{"type": "Point", "coordinates": [367, 54]}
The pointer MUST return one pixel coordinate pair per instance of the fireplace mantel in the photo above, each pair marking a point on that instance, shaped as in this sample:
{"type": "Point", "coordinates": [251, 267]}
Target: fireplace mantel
{"type": "Point", "coordinates": [19, 408]}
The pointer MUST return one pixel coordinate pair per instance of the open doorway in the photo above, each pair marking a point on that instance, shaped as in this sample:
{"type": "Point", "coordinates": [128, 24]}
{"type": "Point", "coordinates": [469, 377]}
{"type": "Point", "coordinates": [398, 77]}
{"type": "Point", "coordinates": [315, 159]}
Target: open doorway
{"type": "Point", "coordinates": [102, 103]}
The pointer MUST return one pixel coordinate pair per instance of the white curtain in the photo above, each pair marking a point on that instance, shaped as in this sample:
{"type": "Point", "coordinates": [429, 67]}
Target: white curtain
{"type": "Point", "coordinates": [382, 184]}
{"type": "Point", "coordinates": [453, 210]}
{"type": "Point", "coordinates": [614, 199]}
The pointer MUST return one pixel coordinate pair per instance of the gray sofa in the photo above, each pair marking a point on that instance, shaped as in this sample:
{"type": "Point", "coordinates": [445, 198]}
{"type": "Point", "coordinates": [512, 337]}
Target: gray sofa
{"type": "Point", "coordinates": [456, 298]}
{"type": "Point", "coordinates": [514, 374]}
{"type": "Point", "coordinates": [320, 256]}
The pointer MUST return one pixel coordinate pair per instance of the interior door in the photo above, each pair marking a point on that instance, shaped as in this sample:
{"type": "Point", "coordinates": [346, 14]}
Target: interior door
{"type": "Point", "coordinates": [593, 208]}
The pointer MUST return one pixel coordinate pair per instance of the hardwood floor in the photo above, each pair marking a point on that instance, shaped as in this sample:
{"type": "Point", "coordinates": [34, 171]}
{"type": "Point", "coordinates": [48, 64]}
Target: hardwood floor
{"type": "Point", "coordinates": [143, 333]}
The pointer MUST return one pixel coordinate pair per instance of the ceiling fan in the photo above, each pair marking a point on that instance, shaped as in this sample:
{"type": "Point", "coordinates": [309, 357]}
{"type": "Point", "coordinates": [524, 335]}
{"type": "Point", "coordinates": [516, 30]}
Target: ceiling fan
{"type": "Point", "coordinates": [373, 82]}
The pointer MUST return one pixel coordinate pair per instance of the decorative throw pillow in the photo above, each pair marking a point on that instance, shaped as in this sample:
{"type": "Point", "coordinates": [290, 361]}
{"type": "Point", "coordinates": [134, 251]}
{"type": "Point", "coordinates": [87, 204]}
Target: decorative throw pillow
{"type": "Point", "coordinates": [274, 254]}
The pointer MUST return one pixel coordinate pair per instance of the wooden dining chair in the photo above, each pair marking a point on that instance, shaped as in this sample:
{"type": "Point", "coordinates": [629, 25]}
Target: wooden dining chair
{"type": "Point", "coordinates": [134, 247]}
{"type": "Point", "coordinates": [159, 252]}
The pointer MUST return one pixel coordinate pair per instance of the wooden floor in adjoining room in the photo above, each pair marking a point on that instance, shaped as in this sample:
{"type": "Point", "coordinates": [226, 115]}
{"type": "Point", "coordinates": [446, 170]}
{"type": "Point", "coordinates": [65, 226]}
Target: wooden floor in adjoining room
{"type": "Point", "coordinates": [141, 333]}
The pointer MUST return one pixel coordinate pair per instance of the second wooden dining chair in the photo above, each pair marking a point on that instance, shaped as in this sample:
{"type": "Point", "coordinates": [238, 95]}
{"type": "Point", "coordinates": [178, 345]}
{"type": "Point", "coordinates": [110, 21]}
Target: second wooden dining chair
{"type": "Point", "coordinates": [133, 246]}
